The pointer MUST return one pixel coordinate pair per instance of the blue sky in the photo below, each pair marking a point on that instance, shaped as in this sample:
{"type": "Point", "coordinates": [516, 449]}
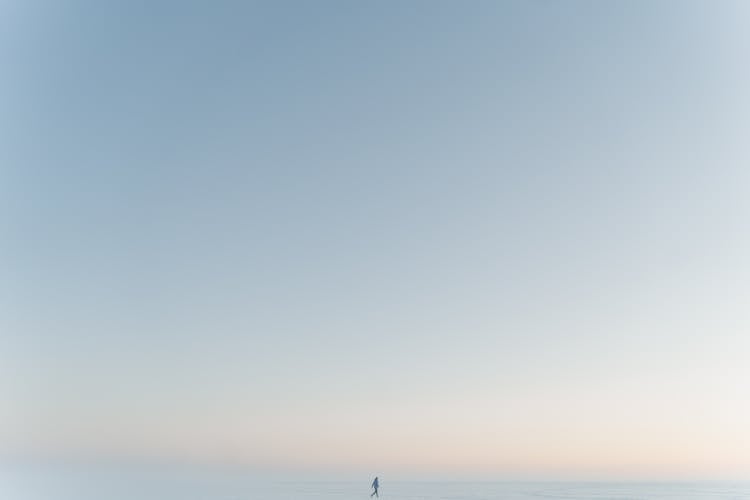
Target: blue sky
{"type": "Point", "coordinates": [500, 238]}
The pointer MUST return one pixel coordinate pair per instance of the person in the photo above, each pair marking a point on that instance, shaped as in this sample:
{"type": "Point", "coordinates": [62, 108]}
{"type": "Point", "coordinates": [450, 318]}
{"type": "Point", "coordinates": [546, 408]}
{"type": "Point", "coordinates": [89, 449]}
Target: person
{"type": "Point", "coordinates": [375, 485]}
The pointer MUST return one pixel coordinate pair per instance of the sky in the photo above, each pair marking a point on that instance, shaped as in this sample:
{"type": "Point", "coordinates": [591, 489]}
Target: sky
{"type": "Point", "coordinates": [448, 239]}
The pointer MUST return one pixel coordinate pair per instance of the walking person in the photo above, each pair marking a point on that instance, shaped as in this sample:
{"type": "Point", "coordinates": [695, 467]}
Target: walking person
{"type": "Point", "coordinates": [375, 485]}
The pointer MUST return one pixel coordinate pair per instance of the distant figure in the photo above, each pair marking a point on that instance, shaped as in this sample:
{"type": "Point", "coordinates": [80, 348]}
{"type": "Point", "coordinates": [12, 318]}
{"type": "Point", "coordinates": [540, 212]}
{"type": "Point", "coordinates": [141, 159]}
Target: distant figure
{"type": "Point", "coordinates": [375, 485]}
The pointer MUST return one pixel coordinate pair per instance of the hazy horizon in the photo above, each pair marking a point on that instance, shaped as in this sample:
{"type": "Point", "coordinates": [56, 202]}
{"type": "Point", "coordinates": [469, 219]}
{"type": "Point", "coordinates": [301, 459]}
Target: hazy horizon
{"type": "Point", "coordinates": [419, 239]}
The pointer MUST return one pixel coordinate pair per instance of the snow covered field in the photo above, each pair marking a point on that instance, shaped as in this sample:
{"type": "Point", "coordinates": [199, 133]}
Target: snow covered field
{"type": "Point", "coordinates": [48, 484]}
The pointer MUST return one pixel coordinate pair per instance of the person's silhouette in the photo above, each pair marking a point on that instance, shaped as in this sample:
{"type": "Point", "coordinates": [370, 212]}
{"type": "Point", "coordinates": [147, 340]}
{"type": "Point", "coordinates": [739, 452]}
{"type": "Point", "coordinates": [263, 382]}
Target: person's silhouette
{"type": "Point", "coordinates": [375, 485]}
